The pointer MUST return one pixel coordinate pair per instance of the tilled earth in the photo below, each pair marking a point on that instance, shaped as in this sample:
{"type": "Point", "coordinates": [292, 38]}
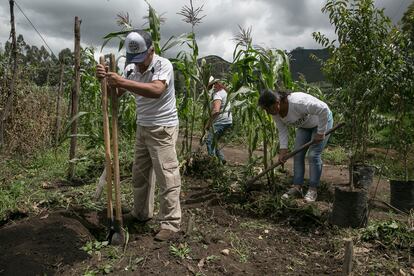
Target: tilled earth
{"type": "Point", "coordinates": [216, 240]}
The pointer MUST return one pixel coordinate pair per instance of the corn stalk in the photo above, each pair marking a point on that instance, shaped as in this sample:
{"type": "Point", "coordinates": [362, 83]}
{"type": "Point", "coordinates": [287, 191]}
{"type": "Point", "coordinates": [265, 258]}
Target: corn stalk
{"type": "Point", "coordinates": [256, 68]}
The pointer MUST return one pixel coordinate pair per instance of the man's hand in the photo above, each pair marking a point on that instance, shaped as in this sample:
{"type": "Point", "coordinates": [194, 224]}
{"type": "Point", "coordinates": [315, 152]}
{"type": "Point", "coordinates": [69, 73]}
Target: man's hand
{"type": "Point", "coordinates": [319, 137]}
{"type": "Point", "coordinates": [282, 155]}
{"type": "Point", "coordinates": [114, 80]}
{"type": "Point", "coordinates": [101, 71]}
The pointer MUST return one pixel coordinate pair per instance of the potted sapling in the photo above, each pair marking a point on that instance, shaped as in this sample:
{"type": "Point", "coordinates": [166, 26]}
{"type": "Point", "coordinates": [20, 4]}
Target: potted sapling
{"type": "Point", "coordinates": [402, 101]}
{"type": "Point", "coordinates": [355, 57]}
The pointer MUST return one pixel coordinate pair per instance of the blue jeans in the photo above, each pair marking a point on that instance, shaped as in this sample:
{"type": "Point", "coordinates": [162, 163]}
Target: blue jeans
{"type": "Point", "coordinates": [304, 135]}
{"type": "Point", "coordinates": [212, 146]}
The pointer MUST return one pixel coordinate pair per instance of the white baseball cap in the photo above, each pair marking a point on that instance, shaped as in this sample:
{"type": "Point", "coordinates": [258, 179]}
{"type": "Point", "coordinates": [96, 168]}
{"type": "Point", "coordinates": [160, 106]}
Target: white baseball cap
{"type": "Point", "coordinates": [137, 44]}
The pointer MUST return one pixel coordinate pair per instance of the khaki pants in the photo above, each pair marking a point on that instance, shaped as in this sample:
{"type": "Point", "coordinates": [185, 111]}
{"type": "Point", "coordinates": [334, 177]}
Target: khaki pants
{"type": "Point", "coordinates": [155, 153]}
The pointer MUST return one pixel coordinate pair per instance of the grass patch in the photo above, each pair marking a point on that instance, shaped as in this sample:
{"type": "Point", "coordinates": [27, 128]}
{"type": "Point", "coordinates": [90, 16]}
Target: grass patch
{"type": "Point", "coordinates": [39, 182]}
{"type": "Point", "coordinates": [335, 155]}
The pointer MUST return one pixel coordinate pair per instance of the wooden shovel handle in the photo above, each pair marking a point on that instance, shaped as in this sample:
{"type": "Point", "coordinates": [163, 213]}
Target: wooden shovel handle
{"type": "Point", "coordinates": [114, 105]}
{"type": "Point", "coordinates": [289, 155]}
{"type": "Point", "coordinates": [107, 142]}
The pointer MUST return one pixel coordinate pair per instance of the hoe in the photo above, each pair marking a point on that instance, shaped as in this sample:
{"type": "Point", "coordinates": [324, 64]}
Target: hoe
{"type": "Point", "coordinates": [251, 181]}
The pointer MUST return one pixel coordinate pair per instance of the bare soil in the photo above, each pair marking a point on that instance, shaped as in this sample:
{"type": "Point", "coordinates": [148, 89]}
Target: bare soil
{"type": "Point", "coordinates": [41, 245]}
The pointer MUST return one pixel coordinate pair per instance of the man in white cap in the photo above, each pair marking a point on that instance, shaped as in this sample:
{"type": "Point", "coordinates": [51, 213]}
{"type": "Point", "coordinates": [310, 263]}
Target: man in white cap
{"type": "Point", "coordinates": [150, 78]}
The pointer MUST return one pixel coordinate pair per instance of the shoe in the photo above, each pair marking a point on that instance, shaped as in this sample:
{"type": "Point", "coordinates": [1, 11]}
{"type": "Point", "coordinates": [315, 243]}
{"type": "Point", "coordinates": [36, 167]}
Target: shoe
{"type": "Point", "coordinates": [293, 192]}
{"type": "Point", "coordinates": [311, 195]}
{"type": "Point", "coordinates": [130, 219]}
{"type": "Point", "coordinates": [164, 235]}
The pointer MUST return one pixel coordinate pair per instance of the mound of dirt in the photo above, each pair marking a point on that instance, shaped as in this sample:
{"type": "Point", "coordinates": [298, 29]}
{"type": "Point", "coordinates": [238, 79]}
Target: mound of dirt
{"type": "Point", "coordinates": [40, 245]}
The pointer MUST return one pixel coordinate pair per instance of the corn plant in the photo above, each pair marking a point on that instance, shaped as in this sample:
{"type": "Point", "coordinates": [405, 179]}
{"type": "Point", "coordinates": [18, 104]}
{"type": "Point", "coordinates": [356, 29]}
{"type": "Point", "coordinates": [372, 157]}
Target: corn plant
{"type": "Point", "coordinates": [256, 68]}
{"type": "Point", "coordinates": [154, 21]}
{"type": "Point", "coordinates": [195, 77]}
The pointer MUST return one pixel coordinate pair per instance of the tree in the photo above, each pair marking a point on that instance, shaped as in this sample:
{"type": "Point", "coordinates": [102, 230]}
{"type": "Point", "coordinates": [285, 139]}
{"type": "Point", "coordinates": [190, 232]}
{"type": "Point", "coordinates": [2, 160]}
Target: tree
{"type": "Point", "coordinates": [353, 68]}
{"type": "Point", "coordinates": [400, 88]}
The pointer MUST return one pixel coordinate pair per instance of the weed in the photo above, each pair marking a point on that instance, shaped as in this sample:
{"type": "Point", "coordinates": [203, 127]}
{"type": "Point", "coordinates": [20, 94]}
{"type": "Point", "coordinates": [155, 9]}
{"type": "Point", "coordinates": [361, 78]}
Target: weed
{"type": "Point", "coordinates": [241, 247]}
{"type": "Point", "coordinates": [106, 268]}
{"type": "Point", "coordinates": [94, 246]}
{"type": "Point", "coordinates": [391, 234]}
{"type": "Point", "coordinates": [133, 263]}
{"type": "Point", "coordinates": [264, 205]}
{"type": "Point", "coordinates": [212, 258]}
{"type": "Point", "coordinates": [203, 166]}
{"type": "Point", "coordinates": [181, 251]}
{"type": "Point", "coordinates": [253, 224]}
{"type": "Point", "coordinates": [90, 272]}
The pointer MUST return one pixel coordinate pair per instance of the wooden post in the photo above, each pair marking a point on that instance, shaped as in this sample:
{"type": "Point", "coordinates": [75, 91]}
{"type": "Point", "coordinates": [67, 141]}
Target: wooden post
{"type": "Point", "coordinates": [349, 253]}
{"type": "Point", "coordinates": [190, 225]}
{"type": "Point", "coordinates": [58, 103]}
{"type": "Point", "coordinates": [75, 96]}
{"type": "Point", "coordinates": [8, 108]}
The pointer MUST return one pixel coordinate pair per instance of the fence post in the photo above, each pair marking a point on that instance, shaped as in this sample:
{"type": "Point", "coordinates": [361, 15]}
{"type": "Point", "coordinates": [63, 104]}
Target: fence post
{"type": "Point", "coordinates": [58, 103]}
{"type": "Point", "coordinates": [348, 257]}
{"type": "Point", "coordinates": [8, 107]}
{"type": "Point", "coordinates": [75, 100]}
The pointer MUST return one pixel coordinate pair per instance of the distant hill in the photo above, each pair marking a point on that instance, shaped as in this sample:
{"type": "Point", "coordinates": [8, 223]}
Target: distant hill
{"type": "Point", "coordinates": [302, 64]}
{"type": "Point", "coordinates": [219, 67]}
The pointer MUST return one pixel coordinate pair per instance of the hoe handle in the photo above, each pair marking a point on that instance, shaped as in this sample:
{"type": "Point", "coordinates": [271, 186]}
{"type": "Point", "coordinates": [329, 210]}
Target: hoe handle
{"type": "Point", "coordinates": [289, 155]}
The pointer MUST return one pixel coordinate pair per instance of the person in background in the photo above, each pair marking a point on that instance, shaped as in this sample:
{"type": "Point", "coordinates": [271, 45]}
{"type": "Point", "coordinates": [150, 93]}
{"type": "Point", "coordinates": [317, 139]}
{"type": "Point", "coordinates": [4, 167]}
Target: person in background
{"type": "Point", "coordinates": [312, 118]}
{"type": "Point", "coordinates": [150, 78]}
{"type": "Point", "coordinates": [220, 118]}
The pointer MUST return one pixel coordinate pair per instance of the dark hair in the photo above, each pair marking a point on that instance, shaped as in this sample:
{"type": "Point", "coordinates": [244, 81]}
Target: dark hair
{"type": "Point", "coordinates": [269, 97]}
{"type": "Point", "coordinates": [220, 86]}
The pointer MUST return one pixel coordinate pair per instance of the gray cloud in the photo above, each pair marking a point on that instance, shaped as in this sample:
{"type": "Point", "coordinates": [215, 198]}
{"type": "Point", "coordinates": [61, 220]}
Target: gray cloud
{"type": "Point", "coordinates": [284, 24]}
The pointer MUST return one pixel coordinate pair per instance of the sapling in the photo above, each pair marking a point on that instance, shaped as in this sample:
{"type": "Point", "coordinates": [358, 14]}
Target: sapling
{"type": "Point", "coordinates": [360, 49]}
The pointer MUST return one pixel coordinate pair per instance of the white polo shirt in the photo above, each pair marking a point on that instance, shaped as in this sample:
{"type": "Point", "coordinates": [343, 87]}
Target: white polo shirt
{"type": "Point", "coordinates": [160, 111]}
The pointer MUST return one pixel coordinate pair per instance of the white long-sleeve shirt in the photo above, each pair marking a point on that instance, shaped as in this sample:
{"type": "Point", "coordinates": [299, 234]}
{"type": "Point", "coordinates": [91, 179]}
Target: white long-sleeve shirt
{"type": "Point", "coordinates": [305, 111]}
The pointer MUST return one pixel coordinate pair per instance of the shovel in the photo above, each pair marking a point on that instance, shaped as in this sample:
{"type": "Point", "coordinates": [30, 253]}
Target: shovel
{"type": "Point", "coordinates": [115, 235]}
{"type": "Point", "coordinates": [118, 237]}
{"type": "Point", "coordinates": [251, 181]}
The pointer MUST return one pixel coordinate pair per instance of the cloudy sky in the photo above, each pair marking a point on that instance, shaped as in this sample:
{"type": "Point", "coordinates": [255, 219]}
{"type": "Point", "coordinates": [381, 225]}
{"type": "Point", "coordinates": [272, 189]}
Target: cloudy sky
{"type": "Point", "coordinates": [284, 24]}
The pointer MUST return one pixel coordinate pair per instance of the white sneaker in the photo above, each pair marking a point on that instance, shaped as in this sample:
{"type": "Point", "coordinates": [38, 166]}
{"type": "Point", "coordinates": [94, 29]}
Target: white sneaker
{"type": "Point", "coordinates": [293, 192]}
{"type": "Point", "coordinates": [311, 195]}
